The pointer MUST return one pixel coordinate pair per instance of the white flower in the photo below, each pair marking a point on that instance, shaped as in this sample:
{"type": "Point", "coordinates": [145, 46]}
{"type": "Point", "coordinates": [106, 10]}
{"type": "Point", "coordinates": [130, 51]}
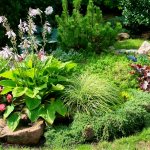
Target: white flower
{"type": "Point", "coordinates": [42, 56]}
{"type": "Point", "coordinates": [6, 52]}
{"type": "Point", "coordinates": [25, 44]}
{"type": "Point", "coordinates": [34, 12]}
{"type": "Point", "coordinates": [10, 34]}
{"type": "Point", "coordinates": [1, 19]}
{"type": "Point", "coordinates": [47, 27]}
{"type": "Point", "coordinates": [48, 10]}
{"type": "Point", "coordinates": [23, 26]}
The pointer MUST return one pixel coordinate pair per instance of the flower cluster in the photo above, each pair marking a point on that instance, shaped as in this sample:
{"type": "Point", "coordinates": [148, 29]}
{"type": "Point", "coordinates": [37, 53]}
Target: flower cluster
{"type": "Point", "coordinates": [144, 76]}
{"type": "Point", "coordinates": [27, 30]}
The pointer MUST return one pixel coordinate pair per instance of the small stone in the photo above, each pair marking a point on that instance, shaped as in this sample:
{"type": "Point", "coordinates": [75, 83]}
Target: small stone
{"type": "Point", "coordinates": [88, 133]}
{"type": "Point", "coordinates": [123, 36]}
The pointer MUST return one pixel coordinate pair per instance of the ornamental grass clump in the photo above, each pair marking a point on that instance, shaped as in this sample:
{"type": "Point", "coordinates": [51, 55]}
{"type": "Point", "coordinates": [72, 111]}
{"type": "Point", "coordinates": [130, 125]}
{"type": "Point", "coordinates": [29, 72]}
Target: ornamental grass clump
{"type": "Point", "coordinates": [33, 85]}
{"type": "Point", "coordinates": [90, 94]}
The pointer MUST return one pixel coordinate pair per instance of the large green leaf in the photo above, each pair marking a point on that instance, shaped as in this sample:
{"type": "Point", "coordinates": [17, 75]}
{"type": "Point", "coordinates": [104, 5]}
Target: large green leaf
{"type": "Point", "coordinates": [32, 103]}
{"type": "Point", "coordinates": [70, 65]}
{"type": "Point", "coordinates": [13, 120]}
{"type": "Point", "coordinates": [19, 91]}
{"type": "Point", "coordinates": [59, 107]}
{"type": "Point", "coordinates": [57, 87]}
{"type": "Point", "coordinates": [50, 116]}
{"type": "Point", "coordinates": [6, 83]}
{"type": "Point", "coordinates": [8, 111]}
{"type": "Point", "coordinates": [29, 63]}
{"type": "Point", "coordinates": [6, 90]}
{"type": "Point", "coordinates": [32, 93]}
{"type": "Point", "coordinates": [33, 114]}
{"type": "Point", "coordinates": [30, 73]}
{"type": "Point", "coordinates": [8, 75]}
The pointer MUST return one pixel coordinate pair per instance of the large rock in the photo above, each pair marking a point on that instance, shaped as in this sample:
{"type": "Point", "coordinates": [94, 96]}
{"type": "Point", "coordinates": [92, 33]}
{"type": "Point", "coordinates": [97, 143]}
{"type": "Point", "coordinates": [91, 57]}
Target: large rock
{"type": "Point", "coordinates": [144, 48]}
{"type": "Point", "coordinates": [23, 135]}
{"type": "Point", "coordinates": [123, 36]}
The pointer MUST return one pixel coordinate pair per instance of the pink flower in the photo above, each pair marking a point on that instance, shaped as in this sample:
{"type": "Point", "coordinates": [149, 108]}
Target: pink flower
{"type": "Point", "coordinates": [2, 107]}
{"type": "Point", "coordinates": [9, 98]}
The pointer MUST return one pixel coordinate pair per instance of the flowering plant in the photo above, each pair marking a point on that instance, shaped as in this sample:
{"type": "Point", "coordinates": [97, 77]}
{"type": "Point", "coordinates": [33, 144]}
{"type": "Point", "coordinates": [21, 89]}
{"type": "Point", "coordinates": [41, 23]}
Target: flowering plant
{"type": "Point", "coordinates": [32, 87]}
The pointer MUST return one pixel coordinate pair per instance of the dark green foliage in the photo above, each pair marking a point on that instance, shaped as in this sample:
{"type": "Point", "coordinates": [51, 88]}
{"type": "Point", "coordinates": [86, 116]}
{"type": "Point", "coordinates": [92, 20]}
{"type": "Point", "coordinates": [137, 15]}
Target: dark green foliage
{"type": "Point", "coordinates": [16, 9]}
{"type": "Point", "coordinates": [87, 32]}
{"type": "Point", "coordinates": [136, 13]}
{"type": "Point", "coordinates": [130, 118]}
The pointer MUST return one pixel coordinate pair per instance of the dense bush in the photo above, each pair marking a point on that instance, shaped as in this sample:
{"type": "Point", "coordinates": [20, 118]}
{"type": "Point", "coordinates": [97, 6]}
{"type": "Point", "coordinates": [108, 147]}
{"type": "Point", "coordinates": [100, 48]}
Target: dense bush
{"type": "Point", "coordinates": [87, 32]}
{"type": "Point", "coordinates": [130, 118]}
{"type": "Point", "coordinates": [136, 13]}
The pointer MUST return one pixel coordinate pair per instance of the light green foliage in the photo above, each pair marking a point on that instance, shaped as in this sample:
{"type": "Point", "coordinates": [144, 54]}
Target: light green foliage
{"type": "Point", "coordinates": [35, 86]}
{"type": "Point", "coordinates": [87, 32]}
{"type": "Point", "coordinates": [90, 94]}
{"type": "Point", "coordinates": [128, 44]}
{"type": "Point", "coordinates": [114, 68]}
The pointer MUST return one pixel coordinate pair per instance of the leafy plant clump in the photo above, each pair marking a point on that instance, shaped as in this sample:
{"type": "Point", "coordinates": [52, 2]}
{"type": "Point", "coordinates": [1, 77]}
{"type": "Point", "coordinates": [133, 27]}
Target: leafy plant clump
{"type": "Point", "coordinates": [90, 94]}
{"type": "Point", "coordinates": [32, 87]}
{"type": "Point", "coordinates": [87, 32]}
{"type": "Point", "coordinates": [144, 76]}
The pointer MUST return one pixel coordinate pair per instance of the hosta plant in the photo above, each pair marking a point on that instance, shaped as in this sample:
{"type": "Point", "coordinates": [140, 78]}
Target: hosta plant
{"type": "Point", "coordinates": [32, 87]}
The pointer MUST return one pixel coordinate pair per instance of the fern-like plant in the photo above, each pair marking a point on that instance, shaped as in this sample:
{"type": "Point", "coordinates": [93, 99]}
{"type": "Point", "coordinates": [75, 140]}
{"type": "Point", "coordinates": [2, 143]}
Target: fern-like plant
{"type": "Point", "coordinates": [90, 94]}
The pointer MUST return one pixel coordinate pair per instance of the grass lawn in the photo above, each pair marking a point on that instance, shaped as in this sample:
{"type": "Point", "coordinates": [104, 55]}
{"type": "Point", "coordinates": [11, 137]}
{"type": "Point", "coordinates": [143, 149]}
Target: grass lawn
{"type": "Point", "coordinates": [128, 44]}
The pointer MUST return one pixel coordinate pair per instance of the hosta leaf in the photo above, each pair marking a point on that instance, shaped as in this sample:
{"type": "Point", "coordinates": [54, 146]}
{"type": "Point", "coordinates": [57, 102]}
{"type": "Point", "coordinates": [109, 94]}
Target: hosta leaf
{"type": "Point", "coordinates": [8, 75]}
{"type": "Point", "coordinates": [6, 90]}
{"type": "Point", "coordinates": [32, 103]}
{"type": "Point", "coordinates": [29, 63]}
{"type": "Point", "coordinates": [32, 93]}
{"type": "Point", "coordinates": [33, 114]}
{"type": "Point", "coordinates": [59, 107]}
{"type": "Point", "coordinates": [13, 121]}
{"type": "Point", "coordinates": [6, 83]}
{"type": "Point", "coordinates": [19, 91]}
{"type": "Point", "coordinates": [30, 73]}
{"type": "Point", "coordinates": [47, 113]}
{"type": "Point", "coordinates": [50, 117]}
{"type": "Point", "coordinates": [8, 111]}
{"type": "Point", "coordinates": [57, 87]}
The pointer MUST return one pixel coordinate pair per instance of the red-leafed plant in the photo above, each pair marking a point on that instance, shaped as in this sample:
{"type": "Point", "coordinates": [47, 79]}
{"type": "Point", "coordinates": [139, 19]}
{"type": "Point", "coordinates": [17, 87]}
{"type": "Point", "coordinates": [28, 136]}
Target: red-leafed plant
{"type": "Point", "coordinates": [144, 76]}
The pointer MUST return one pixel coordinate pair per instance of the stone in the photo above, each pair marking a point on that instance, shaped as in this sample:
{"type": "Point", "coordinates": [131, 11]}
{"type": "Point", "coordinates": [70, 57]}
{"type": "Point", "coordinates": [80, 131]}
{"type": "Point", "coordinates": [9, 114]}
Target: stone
{"type": "Point", "coordinates": [123, 36]}
{"type": "Point", "coordinates": [88, 133]}
{"type": "Point", "coordinates": [23, 135]}
{"type": "Point", "coordinates": [146, 35]}
{"type": "Point", "coordinates": [144, 48]}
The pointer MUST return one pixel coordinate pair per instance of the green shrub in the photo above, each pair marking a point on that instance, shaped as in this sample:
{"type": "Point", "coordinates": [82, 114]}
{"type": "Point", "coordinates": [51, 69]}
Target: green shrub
{"type": "Point", "coordinates": [87, 32]}
{"type": "Point", "coordinates": [90, 94]}
{"type": "Point", "coordinates": [136, 13]}
{"type": "Point", "coordinates": [130, 118]}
